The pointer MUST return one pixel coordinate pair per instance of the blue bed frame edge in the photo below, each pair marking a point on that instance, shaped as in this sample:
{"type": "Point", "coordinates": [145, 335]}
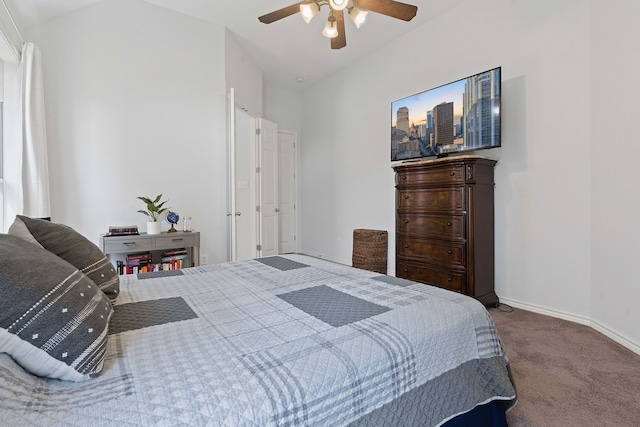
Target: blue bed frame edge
{"type": "Point", "coordinates": [492, 414]}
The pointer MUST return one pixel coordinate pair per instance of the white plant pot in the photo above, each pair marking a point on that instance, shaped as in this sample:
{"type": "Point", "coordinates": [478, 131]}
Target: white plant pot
{"type": "Point", "coordinates": [154, 227]}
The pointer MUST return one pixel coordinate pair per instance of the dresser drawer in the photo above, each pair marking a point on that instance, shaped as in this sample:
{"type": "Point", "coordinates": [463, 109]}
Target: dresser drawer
{"type": "Point", "coordinates": [174, 240]}
{"type": "Point", "coordinates": [418, 175]}
{"type": "Point", "coordinates": [440, 199]}
{"type": "Point", "coordinates": [125, 244]}
{"type": "Point", "coordinates": [443, 278]}
{"type": "Point", "coordinates": [433, 251]}
{"type": "Point", "coordinates": [449, 227]}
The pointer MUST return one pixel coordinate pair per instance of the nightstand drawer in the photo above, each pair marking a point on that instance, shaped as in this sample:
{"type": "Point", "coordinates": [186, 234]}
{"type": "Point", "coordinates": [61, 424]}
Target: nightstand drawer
{"type": "Point", "coordinates": [124, 244]}
{"type": "Point", "coordinates": [174, 240]}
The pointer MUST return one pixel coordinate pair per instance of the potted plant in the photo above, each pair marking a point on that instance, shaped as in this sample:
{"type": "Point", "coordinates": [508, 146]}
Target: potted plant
{"type": "Point", "coordinates": [154, 209]}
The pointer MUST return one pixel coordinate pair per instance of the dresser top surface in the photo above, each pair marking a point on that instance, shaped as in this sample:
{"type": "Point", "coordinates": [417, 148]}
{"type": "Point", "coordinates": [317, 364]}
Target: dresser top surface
{"type": "Point", "coordinates": [443, 160]}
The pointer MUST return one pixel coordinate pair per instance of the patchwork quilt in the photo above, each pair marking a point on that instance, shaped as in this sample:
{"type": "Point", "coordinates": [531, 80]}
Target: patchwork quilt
{"type": "Point", "coordinates": [281, 341]}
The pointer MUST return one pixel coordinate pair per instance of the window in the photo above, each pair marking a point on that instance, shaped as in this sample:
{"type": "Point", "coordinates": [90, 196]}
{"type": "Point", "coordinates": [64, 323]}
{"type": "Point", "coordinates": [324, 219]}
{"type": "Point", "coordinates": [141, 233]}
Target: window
{"type": "Point", "coordinates": [1, 147]}
{"type": "Point", "coordinates": [1, 164]}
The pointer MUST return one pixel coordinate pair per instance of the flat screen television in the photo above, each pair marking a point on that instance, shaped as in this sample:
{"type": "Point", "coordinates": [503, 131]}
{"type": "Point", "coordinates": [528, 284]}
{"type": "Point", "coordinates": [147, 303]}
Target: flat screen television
{"type": "Point", "coordinates": [457, 117]}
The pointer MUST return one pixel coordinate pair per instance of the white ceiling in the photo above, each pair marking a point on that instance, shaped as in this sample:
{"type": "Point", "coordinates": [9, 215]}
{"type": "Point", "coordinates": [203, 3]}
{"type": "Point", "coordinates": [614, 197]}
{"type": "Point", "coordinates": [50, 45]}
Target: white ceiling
{"type": "Point", "coordinates": [284, 49]}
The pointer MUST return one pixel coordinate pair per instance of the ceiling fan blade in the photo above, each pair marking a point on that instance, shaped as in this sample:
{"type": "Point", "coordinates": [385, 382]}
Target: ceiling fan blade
{"type": "Point", "coordinates": [339, 41]}
{"type": "Point", "coordinates": [280, 13]}
{"type": "Point", "coordinates": [391, 8]}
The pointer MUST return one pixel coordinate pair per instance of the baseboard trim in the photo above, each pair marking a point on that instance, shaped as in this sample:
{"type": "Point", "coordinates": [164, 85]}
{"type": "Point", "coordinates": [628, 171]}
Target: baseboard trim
{"type": "Point", "coordinates": [328, 258]}
{"type": "Point", "coordinates": [610, 333]}
{"type": "Point", "coordinates": [336, 260]}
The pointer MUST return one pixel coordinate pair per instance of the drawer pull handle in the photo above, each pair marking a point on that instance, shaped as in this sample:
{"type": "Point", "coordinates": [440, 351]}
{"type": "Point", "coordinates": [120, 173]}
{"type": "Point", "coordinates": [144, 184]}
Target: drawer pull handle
{"type": "Point", "coordinates": [449, 224]}
{"type": "Point", "coordinates": [452, 173]}
{"type": "Point", "coordinates": [406, 270]}
{"type": "Point", "coordinates": [404, 177]}
{"type": "Point", "coordinates": [406, 221]}
{"type": "Point", "coordinates": [449, 252]}
{"type": "Point", "coordinates": [406, 196]}
{"type": "Point", "coordinates": [177, 239]}
{"type": "Point", "coordinates": [406, 246]}
{"type": "Point", "coordinates": [449, 279]}
{"type": "Point", "coordinates": [128, 243]}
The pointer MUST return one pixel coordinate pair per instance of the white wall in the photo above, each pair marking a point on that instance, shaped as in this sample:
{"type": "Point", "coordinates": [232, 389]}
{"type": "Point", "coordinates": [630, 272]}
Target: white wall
{"type": "Point", "coordinates": [346, 177]}
{"type": "Point", "coordinates": [614, 170]}
{"type": "Point", "coordinates": [282, 106]}
{"type": "Point", "coordinates": [556, 193]}
{"type": "Point", "coordinates": [542, 180]}
{"type": "Point", "coordinates": [135, 105]}
{"type": "Point", "coordinates": [243, 75]}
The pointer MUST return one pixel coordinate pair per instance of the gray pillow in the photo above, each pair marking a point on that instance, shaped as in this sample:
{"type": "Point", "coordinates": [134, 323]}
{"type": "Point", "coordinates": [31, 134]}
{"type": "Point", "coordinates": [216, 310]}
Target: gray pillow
{"type": "Point", "coordinates": [53, 319]}
{"type": "Point", "coordinates": [71, 246]}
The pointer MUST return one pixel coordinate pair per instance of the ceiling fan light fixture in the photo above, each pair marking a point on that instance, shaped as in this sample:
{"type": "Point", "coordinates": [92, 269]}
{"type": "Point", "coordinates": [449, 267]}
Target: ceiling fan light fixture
{"type": "Point", "coordinates": [334, 28]}
{"type": "Point", "coordinates": [330, 29]}
{"type": "Point", "coordinates": [309, 10]}
{"type": "Point", "coordinates": [358, 16]}
{"type": "Point", "coordinates": [338, 4]}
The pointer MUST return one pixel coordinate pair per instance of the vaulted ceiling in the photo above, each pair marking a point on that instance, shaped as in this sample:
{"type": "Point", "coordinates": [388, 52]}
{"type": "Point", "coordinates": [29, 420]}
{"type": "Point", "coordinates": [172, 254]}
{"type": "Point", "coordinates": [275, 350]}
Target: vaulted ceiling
{"type": "Point", "coordinates": [285, 49]}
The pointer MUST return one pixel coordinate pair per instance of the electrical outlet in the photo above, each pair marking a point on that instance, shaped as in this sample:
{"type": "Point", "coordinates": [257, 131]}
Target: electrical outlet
{"type": "Point", "coordinates": [203, 259]}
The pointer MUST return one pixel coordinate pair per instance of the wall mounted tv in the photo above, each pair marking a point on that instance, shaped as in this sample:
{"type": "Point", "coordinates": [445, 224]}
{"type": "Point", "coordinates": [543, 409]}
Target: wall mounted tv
{"type": "Point", "coordinates": [454, 118]}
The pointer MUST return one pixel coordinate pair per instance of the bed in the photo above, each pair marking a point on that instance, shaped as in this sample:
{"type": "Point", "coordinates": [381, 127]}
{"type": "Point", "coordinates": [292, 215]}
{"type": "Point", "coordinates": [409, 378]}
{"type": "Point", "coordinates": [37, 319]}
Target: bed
{"type": "Point", "coordinates": [287, 340]}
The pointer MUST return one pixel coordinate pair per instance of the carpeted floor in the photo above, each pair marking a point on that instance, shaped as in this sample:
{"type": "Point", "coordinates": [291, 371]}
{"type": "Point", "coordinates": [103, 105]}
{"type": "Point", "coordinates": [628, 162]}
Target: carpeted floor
{"type": "Point", "coordinates": [568, 374]}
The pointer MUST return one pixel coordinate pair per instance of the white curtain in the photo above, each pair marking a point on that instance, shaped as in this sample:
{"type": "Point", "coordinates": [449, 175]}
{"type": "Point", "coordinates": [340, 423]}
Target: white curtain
{"type": "Point", "coordinates": [35, 166]}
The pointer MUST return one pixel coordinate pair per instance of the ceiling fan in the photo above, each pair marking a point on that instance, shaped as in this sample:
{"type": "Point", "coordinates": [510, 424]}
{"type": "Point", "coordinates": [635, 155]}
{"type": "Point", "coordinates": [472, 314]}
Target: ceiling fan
{"type": "Point", "coordinates": [357, 9]}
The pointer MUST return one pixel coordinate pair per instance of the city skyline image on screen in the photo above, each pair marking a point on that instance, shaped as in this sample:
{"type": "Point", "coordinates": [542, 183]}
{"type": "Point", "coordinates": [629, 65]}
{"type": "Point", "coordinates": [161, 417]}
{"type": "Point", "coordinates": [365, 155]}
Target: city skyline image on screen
{"type": "Point", "coordinates": [457, 117]}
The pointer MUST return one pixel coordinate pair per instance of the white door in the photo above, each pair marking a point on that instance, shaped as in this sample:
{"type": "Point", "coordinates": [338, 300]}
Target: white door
{"type": "Point", "coordinates": [241, 186]}
{"type": "Point", "coordinates": [245, 212]}
{"type": "Point", "coordinates": [287, 190]}
{"type": "Point", "coordinates": [267, 171]}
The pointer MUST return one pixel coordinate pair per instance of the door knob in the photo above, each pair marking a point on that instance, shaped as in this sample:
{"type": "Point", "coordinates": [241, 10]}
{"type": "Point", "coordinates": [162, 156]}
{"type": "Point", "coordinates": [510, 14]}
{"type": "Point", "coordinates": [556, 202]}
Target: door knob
{"type": "Point", "coordinates": [228, 213]}
{"type": "Point", "coordinates": [238, 213]}
{"type": "Point", "coordinates": [277, 210]}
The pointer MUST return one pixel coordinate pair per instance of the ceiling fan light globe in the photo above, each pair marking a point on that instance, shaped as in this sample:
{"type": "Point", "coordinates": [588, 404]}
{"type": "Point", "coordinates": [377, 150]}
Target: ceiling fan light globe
{"type": "Point", "coordinates": [358, 16]}
{"type": "Point", "coordinates": [338, 4]}
{"type": "Point", "coordinates": [330, 30]}
{"type": "Point", "coordinates": [308, 11]}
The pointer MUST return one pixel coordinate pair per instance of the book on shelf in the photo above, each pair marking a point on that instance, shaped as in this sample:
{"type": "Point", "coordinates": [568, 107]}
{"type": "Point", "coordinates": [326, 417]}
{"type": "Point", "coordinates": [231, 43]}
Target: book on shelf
{"type": "Point", "coordinates": [137, 262]}
{"type": "Point", "coordinates": [139, 255]}
{"type": "Point", "coordinates": [122, 230]}
{"type": "Point", "coordinates": [176, 264]}
{"type": "Point", "coordinates": [174, 252]}
{"type": "Point", "coordinates": [174, 257]}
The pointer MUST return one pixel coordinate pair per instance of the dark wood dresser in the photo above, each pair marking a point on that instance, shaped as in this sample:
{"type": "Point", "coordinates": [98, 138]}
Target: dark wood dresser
{"type": "Point", "coordinates": [445, 225]}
